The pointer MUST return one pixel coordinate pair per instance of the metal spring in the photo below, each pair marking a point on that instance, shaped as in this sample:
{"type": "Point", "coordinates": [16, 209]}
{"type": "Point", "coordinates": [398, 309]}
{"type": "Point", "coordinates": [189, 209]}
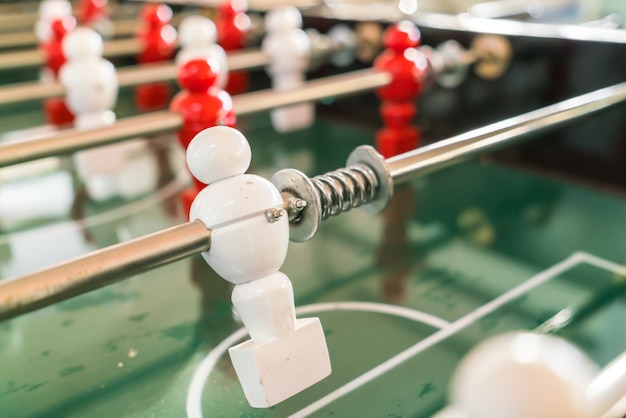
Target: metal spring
{"type": "Point", "coordinates": [346, 188]}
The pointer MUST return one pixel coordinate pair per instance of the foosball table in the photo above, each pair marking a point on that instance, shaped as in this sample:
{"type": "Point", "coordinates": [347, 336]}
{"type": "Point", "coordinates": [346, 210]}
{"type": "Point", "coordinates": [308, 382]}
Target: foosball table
{"type": "Point", "coordinates": [450, 177]}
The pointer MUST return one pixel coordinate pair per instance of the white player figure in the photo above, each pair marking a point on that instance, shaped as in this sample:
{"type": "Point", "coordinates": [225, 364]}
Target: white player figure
{"type": "Point", "coordinates": [197, 36]}
{"type": "Point", "coordinates": [524, 374]}
{"type": "Point", "coordinates": [91, 87]}
{"type": "Point", "coordinates": [249, 240]}
{"type": "Point", "coordinates": [289, 48]}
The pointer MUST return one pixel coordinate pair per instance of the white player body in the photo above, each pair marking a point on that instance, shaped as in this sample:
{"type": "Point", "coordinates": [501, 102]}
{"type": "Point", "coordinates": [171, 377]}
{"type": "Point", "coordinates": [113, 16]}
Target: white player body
{"type": "Point", "coordinates": [249, 240]}
{"type": "Point", "coordinates": [197, 36]}
{"type": "Point", "coordinates": [521, 375]}
{"type": "Point", "coordinates": [289, 48]}
{"type": "Point", "coordinates": [91, 86]}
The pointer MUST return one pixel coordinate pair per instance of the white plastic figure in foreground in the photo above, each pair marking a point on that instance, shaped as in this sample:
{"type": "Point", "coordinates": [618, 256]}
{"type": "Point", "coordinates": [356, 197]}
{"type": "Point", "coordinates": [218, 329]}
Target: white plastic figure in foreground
{"type": "Point", "coordinates": [522, 375]}
{"type": "Point", "coordinates": [91, 86]}
{"type": "Point", "coordinates": [249, 239]}
{"type": "Point", "coordinates": [197, 36]}
{"type": "Point", "coordinates": [289, 48]}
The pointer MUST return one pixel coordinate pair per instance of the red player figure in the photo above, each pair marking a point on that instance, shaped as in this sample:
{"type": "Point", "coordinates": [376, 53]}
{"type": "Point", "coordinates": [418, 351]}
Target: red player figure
{"type": "Point", "coordinates": [95, 14]}
{"type": "Point", "coordinates": [202, 105]}
{"type": "Point", "coordinates": [233, 26]}
{"type": "Point", "coordinates": [408, 68]}
{"type": "Point", "coordinates": [158, 43]}
{"type": "Point", "coordinates": [56, 110]}
{"type": "Point", "coordinates": [91, 11]}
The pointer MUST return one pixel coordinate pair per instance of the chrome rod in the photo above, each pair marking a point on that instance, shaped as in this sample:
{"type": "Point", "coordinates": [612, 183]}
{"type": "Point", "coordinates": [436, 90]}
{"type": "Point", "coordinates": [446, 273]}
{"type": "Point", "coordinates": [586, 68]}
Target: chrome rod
{"type": "Point", "coordinates": [35, 57]}
{"type": "Point", "coordinates": [27, 38]}
{"type": "Point", "coordinates": [28, 91]}
{"type": "Point", "coordinates": [18, 39]}
{"type": "Point", "coordinates": [71, 140]}
{"type": "Point", "coordinates": [150, 73]}
{"type": "Point", "coordinates": [13, 21]}
{"type": "Point", "coordinates": [339, 85]}
{"type": "Point", "coordinates": [423, 160]}
{"type": "Point", "coordinates": [100, 268]}
{"type": "Point", "coordinates": [127, 77]}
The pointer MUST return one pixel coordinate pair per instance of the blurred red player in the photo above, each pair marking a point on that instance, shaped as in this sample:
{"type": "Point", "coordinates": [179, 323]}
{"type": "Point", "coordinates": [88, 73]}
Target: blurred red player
{"type": "Point", "coordinates": [91, 11]}
{"type": "Point", "coordinates": [233, 26]}
{"type": "Point", "coordinates": [56, 110]}
{"type": "Point", "coordinates": [408, 68]}
{"type": "Point", "coordinates": [202, 105]}
{"type": "Point", "coordinates": [158, 43]}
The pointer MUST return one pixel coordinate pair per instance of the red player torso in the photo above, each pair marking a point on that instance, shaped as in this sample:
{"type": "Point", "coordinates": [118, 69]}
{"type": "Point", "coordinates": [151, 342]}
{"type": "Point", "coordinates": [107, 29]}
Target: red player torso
{"type": "Point", "coordinates": [407, 72]}
{"type": "Point", "coordinates": [157, 45]}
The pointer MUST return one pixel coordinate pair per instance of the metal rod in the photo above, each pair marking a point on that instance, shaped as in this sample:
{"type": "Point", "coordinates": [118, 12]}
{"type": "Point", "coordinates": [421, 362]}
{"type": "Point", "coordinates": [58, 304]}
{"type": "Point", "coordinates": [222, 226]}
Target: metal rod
{"type": "Point", "coordinates": [31, 90]}
{"type": "Point", "coordinates": [151, 73]}
{"type": "Point", "coordinates": [426, 159]}
{"type": "Point", "coordinates": [339, 85]}
{"type": "Point", "coordinates": [35, 57]}
{"type": "Point", "coordinates": [25, 19]}
{"type": "Point", "coordinates": [101, 268]}
{"type": "Point", "coordinates": [127, 77]}
{"type": "Point", "coordinates": [71, 140]}
{"type": "Point", "coordinates": [18, 39]}
{"type": "Point", "coordinates": [27, 38]}
{"type": "Point", "coordinates": [12, 21]}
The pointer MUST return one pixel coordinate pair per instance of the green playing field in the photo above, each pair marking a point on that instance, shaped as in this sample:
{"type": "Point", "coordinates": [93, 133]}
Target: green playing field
{"type": "Point", "coordinates": [488, 249]}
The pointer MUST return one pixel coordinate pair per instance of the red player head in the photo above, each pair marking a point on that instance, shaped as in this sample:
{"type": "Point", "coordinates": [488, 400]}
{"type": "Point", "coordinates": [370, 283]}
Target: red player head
{"type": "Point", "coordinates": [91, 10]}
{"type": "Point", "coordinates": [197, 75]}
{"type": "Point", "coordinates": [407, 65]}
{"type": "Point", "coordinates": [156, 15]}
{"type": "Point", "coordinates": [232, 8]}
{"type": "Point", "coordinates": [60, 27]}
{"type": "Point", "coordinates": [401, 36]}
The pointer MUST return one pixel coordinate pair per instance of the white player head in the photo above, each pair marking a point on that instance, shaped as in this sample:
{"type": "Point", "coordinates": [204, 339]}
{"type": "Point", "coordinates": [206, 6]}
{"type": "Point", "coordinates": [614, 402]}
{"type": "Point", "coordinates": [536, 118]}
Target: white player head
{"type": "Point", "coordinates": [522, 375]}
{"type": "Point", "coordinates": [218, 153]}
{"type": "Point", "coordinates": [283, 19]}
{"type": "Point", "coordinates": [83, 43]}
{"type": "Point", "coordinates": [50, 10]}
{"type": "Point", "coordinates": [196, 31]}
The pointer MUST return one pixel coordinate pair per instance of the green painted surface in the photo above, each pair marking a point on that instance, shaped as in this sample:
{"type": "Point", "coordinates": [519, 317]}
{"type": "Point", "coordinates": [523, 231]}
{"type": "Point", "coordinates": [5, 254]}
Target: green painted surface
{"type": "Point", "coordinates": [477, 231]}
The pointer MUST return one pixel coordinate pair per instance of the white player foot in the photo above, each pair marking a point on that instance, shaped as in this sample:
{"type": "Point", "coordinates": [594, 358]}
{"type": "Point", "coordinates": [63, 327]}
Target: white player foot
{"type": "Point", "coordinates": [272, 371]}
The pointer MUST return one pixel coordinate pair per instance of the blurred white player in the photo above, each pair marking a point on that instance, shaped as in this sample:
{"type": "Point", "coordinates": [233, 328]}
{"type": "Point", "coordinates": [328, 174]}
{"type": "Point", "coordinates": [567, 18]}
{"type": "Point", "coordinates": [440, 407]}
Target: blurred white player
{"type": "Point", "coordinates": [531, 375]}
{"type": "Point", "coordinates": [197, 36]}
{"type": "Point", "coordinates": [91, 86]}
{"type": "Point", "coordinates": [249, 240]}
{"type": "Point", "coordinates": [289, 48]}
